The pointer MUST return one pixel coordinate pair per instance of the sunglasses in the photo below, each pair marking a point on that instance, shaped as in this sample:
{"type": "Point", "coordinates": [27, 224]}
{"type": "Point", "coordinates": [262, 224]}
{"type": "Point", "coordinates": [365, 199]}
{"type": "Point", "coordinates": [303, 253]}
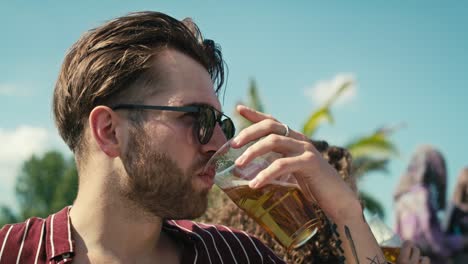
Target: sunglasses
{"type": "Point", "coordinates": [207, 118]}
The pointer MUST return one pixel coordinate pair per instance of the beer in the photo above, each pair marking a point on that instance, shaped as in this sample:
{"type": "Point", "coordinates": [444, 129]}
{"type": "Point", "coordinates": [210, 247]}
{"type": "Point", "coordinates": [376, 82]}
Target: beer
{"type": "Point", "coordinates": [391, 253]}
{"type": "Point", "coordinates": [281, 209]}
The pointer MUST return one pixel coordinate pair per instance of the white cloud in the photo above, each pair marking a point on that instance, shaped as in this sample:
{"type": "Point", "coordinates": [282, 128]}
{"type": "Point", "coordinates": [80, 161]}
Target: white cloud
{"type": "Point", "coordinates": [324, 89]}
{"type": "Point", "coordinates": [8, 89]}
{"type": "Point", "coordinates": [22, 142]}
{"type": "Point", "coordinates": [17, 145]}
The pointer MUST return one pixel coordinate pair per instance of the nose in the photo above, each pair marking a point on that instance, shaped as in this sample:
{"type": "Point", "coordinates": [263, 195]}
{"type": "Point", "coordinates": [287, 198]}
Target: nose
{"type": "Point", "coordinates": [217, 140]}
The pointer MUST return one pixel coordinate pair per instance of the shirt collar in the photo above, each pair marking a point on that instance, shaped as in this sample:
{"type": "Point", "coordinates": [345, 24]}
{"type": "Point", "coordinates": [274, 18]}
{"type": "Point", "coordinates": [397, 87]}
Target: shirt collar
{"type": "Point", "coordinates": [180, 229]}
{"type": "Point", "coordinates": [59, 241]}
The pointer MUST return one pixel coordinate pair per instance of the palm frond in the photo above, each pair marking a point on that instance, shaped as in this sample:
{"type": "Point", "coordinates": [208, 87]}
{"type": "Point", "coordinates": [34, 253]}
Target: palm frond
{"type": "Point", "coordinates": [365, 165]}
{"type": "Point", "coordinates": [254, 98]}
{"type": "Point", "coordinates": [338, 93]}
{"type": "Point", "coordinates": [376, 145]}
{"type": "Point", "coordinates": [316, 119]}
{"type": "Point", "coordinates": [323, 114]}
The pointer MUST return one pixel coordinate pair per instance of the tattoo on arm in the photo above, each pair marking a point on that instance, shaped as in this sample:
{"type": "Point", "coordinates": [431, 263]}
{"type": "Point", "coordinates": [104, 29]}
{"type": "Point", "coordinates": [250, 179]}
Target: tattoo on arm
{"type": "Point", "coordinates": [376, 260]}
{"type": "Point", "coordinates": [351, 243]}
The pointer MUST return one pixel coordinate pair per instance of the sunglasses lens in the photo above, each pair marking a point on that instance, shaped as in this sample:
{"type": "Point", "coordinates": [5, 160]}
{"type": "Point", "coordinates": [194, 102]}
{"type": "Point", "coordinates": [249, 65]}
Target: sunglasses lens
{"type": "Point", "coordinates": [206, 122]}
{"type": "Point", "coordinates": [228, 128]}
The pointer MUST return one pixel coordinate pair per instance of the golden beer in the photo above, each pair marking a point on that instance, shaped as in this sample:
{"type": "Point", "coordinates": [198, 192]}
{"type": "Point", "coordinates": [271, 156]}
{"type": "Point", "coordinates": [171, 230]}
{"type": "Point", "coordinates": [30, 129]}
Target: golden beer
{"type": "Point", "coordinates": [391, 253]}
{"type": "Point", "coordinates": [281, 210]}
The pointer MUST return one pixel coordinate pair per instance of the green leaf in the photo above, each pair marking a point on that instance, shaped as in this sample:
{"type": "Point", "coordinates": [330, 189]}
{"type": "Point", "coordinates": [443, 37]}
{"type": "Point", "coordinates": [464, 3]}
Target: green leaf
{"type": "Point", "coordinates": [323, 114]}
{"type": "Point", "coordinates": [376, 145]}
{"type": "Point", "coordinates": [254, 98]}
{"type": "Point", "coordinates": [372, 204]}
{"type": "Point", "coordinates": [364, 165]}
{"type": "Point", "coordinates": [317, 118]}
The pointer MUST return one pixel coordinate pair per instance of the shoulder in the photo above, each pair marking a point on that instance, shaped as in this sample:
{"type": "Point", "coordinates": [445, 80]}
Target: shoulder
{"type": "Point", "coordinates": [225, 239]}
{"type": "Point", "coordinates": [21, 238]}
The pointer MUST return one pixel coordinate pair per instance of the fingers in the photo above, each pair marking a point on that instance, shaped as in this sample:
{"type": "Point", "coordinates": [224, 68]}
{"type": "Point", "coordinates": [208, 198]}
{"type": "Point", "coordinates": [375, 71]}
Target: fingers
{"type": "Point", "coordinates": [415, 255]}
{"type": "Point", "coordinates": [279, 167]}
{"type": "Point", "coordinates": [259, 130]}
{"type": "Point", "coordinates": [410, 254]}
{"type": "Point", "coordinates": [263, 125]}
{"type": "Point", "coordinates": [293, 156]}
{"type": "Point", "coordinates": [272, 143]}
{"type": "Point", "coordinates": [252, 115]}
{"type": "Point", "coordinates": [405, 252]}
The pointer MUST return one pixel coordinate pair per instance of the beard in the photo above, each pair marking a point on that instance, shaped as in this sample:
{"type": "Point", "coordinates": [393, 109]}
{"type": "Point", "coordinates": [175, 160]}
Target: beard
{"type": "Point", "coordinates": [157, 184]}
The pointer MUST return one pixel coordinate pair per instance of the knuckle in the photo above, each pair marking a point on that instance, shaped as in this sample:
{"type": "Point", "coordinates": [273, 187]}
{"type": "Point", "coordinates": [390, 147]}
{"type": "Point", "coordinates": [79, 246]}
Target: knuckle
{"type": "Point", "coordinates": [269, 123]}
{"type": "Point", "coordinates": [308, 156]}
{"type": "Point", "coordinates": [308, 147]}
{"type": "Point", "coordinates": [274, 138]}
{"type": "Point", "coordinates": [280, 164]}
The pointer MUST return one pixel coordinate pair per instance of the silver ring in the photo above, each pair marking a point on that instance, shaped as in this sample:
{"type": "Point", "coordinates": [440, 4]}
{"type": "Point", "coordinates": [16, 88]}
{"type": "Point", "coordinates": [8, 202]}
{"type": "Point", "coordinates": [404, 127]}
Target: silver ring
{"type": "Point", "coordinates": [286, 133]}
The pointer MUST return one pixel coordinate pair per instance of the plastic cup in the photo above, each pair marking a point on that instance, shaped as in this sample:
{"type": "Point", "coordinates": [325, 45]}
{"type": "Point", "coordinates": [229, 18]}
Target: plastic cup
{"type": "Point", "coordinates": [279, 207]}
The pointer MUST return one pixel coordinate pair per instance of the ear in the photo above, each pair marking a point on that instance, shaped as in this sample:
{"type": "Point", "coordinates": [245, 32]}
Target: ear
{"type": "Point", "coordinates": [103, 123]}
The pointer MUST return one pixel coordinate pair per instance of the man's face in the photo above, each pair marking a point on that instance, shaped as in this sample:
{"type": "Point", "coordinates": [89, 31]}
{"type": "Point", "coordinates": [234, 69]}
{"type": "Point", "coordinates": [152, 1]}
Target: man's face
{"type": "Point", "coordinates": [163, 158]}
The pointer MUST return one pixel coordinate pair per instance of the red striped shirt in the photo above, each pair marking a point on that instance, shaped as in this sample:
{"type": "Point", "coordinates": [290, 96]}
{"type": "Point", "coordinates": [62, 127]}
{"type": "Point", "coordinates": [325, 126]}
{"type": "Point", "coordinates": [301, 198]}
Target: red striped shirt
{"type": "Point", "coordinates": [49, 241]}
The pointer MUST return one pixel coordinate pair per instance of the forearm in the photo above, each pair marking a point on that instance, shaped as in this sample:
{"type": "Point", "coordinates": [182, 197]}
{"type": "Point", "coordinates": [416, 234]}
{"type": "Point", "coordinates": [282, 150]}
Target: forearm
{"type": "Point", "coordinates": [345, 210]}
{"type": "Point", "coordinates": [357, 240]}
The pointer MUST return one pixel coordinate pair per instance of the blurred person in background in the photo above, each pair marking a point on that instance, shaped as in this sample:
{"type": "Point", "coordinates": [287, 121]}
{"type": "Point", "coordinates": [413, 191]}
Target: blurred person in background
{"type": "Point", "coordinates": [419, 197]}
{"type": "Point", "coordinates": [457, 214]}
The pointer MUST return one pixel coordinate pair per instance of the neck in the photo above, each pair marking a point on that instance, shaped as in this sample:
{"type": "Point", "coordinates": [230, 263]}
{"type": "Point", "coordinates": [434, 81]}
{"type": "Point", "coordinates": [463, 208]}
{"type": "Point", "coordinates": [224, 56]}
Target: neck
{"type": "Point", "coordinates": [104, 223]}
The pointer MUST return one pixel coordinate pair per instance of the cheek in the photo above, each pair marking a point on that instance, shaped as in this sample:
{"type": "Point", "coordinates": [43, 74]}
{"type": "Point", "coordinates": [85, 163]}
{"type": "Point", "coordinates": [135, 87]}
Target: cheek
{"type": "Point", "coordinates": [180, 145]}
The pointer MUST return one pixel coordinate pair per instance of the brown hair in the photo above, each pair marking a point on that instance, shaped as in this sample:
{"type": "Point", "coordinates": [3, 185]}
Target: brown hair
{"type": "Point", "coordinates": [102, 64]}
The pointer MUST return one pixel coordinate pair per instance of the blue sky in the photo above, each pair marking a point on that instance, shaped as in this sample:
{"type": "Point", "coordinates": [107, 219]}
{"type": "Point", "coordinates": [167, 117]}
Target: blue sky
{"type": "Point", "coordinates": [409, 60]}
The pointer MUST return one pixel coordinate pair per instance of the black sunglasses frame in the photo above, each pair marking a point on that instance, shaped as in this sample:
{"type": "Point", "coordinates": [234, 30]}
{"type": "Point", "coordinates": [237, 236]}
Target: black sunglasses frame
{"type": "Point", "coordinates": [203, 137]}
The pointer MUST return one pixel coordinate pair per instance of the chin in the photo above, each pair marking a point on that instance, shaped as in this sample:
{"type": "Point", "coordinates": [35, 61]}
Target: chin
{"type": "Point", "coordinates": [189, 209]}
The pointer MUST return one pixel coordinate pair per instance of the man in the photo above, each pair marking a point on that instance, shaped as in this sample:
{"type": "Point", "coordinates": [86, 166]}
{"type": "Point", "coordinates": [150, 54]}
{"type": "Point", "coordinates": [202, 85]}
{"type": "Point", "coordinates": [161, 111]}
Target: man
{"type": "Point", "coordinates": [135, 103]}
